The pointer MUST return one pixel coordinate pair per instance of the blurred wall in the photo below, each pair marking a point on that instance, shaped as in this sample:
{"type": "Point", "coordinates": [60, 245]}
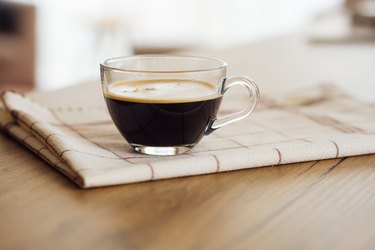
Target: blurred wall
{"type": "Point", "coordinates": [73, 36]}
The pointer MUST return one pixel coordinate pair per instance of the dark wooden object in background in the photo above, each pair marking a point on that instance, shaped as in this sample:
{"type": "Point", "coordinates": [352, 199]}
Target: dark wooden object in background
{"type": "Point", "coordinates": [17, 46]}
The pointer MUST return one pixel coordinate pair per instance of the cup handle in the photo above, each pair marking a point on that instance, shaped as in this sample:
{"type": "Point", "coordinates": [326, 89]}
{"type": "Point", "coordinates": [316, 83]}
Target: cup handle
{"type": "Point", "coordinates": [254, 95]}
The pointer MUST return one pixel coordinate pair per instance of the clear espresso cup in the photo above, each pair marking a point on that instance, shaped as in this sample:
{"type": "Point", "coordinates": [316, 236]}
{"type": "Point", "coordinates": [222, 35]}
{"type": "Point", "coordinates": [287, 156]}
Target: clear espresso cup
{"type": "Point", "coordinates": [164, 105]}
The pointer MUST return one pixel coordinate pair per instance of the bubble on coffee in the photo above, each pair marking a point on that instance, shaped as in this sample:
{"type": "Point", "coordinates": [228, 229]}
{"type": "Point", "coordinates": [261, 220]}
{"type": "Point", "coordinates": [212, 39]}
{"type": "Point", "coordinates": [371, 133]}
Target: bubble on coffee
{"type": "Point", "coordinates": [162, 91]}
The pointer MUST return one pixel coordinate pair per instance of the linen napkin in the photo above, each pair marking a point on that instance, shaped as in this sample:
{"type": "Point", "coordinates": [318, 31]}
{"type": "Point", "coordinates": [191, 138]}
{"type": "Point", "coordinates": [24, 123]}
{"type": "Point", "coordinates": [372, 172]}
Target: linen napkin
{"type": "Point", "coordinates": [83, 143]}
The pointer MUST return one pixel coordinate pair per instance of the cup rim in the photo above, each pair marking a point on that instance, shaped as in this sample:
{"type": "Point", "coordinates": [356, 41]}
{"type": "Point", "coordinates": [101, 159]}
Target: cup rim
{"type": "Point", "coordinates": [222, 64]}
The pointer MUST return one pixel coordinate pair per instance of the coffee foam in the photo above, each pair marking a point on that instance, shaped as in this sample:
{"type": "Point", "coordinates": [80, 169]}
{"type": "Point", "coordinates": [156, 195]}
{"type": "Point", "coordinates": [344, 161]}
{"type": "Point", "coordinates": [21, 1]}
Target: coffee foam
{"type": "Point", "coordinates": [162, 91]}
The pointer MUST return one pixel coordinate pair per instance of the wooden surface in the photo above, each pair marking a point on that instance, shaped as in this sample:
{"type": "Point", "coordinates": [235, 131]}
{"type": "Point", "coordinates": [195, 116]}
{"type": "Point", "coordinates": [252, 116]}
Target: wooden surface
{"type": "Point", "coordinates": [314, 205]}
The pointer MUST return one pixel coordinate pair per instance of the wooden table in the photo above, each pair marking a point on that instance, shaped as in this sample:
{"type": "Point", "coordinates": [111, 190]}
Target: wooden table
{"type": "Point", "coordinates": [314, 205]}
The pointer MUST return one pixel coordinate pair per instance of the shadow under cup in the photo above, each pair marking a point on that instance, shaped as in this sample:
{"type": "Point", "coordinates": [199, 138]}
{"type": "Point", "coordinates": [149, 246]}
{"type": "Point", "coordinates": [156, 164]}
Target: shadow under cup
{"type": "Point", "coordinates": [164, 105]}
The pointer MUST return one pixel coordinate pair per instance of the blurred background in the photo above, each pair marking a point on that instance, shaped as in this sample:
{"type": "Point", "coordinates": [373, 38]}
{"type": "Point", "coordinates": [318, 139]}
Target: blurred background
{"type": "Point", "coordinates": [47, 44]}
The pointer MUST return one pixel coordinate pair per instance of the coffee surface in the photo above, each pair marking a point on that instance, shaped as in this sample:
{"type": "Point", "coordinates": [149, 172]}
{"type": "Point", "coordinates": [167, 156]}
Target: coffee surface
{"type": "Point", "coordinates": [162, 91]}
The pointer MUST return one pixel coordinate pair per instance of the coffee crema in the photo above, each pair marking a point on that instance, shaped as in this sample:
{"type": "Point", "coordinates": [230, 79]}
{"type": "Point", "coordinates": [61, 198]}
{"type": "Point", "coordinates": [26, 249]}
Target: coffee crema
{"type": "Point", "coordinates": [162, 112]}
{"type": "Point", "coordinates": [162, 91]}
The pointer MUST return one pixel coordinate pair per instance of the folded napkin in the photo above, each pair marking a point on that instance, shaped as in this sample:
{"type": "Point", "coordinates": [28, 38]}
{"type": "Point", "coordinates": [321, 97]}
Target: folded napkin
{"type": "Point", "coordinates": [83, 143]}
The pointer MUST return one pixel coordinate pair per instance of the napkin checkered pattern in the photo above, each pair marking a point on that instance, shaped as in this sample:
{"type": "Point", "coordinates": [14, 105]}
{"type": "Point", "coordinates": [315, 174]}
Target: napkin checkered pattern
{"type": "Point", "coordinates": [83, 143]}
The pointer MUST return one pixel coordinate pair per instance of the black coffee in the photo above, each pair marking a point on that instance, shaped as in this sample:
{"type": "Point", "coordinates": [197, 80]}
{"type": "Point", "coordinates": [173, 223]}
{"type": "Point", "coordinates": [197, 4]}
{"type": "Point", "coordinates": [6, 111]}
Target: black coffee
{"type": "Point", "coordinates": [162, 112]}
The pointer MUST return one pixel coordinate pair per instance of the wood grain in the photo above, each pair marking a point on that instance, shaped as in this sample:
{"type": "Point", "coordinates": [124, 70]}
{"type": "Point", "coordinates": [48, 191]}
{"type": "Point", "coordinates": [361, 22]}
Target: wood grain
{"type": "Point", "coordinates": [314, 205]}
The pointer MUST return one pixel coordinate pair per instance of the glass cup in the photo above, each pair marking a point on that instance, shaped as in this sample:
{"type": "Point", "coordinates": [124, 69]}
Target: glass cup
{"type": "Point", "coordinates": [164, 105]}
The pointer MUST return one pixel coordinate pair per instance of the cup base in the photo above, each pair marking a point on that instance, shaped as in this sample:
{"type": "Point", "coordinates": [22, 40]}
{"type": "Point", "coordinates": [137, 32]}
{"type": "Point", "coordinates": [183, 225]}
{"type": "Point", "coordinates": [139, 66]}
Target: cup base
{"type": "Point", "coordinates": [162, 151]}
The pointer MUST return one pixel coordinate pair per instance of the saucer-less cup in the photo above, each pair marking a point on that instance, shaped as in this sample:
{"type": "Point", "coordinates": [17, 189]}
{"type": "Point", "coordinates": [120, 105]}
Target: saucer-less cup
{"type": "Point", "coordinates": [164, 105]}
